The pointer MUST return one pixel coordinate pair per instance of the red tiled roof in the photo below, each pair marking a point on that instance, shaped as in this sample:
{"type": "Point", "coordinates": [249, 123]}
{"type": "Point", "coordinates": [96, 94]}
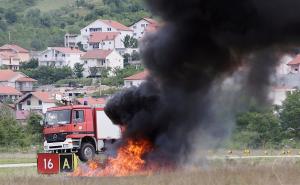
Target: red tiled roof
{"type": "Point", "coordinates": [96, 54]}
{"type": "Point", "coordinates": [118, 26]}
{"type": "Point", "coordinates": [7, 55]}
{"type": "Point", "coordinates": [6, 90]}
{"type": "Point", "coordinates": [101, 36]}
{"type": "Point", "coordinates": [26, 79]}
{"type": "Point", "coordinates": [14, 47]}
{"type": "Point", "coordinates": [67, 50]}
{"type": "Point", "coordinates": [295, 61]}
{"type": "Point", "coordinates": [43, 96]}
{"type": "Point", "coordinates": [151, 28]}
{"type": "Point", "coordinates": [92, 101]}
{"type": "Point", "coordinates": [6, 75]}
{"type": "Point", "coordinates": [139, 76]}
{"type": "Point", "coordinates": [151, 21]}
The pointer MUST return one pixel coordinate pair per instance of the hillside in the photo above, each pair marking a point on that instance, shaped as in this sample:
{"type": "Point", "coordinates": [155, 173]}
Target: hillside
{"type": "Point", "coordinates": [36, 24]}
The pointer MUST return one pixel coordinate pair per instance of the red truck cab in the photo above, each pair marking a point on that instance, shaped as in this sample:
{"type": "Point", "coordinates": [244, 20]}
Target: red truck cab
{"type": "Point", "coordinates": [78, 129]}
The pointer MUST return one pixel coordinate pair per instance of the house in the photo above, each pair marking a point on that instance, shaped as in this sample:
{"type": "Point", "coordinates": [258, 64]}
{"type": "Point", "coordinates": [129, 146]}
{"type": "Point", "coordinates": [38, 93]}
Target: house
{"type": "Point", "coordinates": [9, 60]}
{"type": "Point", "coordinates": [283, 68]}
{"type": "Point", "coordinates": [93, 102]}
{"type": "Point", "coordinates": [38, 101]}
{"type": "Point", "coordinates": [21, 53]}
{"type": "Point", "coordinates": [136, 79]}
{"type": "Point", "coordinates": [60, 56]}
{"type": "Point", "coordinates": [143, 26]}
{"type": "Point", "coordinates": [71, 40]}
{"type": "Point", "coordinates": [294, 64]}
{"type": "Point", "coordinates": [106, 41]}
{"type": "Point", "coordinates": [22, 116]}
{"type": "Point", "coordinates": [9, 94]}
{"type": "Point", "coordinates": [101, 59]}
{"type": "Point", "coordinates": [102, 26]}
{"type": "Point", "coordinates": [17, 80]}
{"type": "Point", "coordinates": [279, 94]}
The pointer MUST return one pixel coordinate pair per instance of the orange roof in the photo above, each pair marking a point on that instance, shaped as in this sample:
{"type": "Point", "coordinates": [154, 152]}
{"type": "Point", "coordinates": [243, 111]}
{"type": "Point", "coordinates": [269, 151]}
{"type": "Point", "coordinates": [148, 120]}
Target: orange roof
{"type": "Point", "coordinates": [8, 55]}
{"type": "Point", "coordinates": [295, 61]}
{"type": "Point", "coordinates": [6, 75]}
{"type": "Point", "coordinates": [14, 47]}
{"type": "Point", "coordinates": [96, 54]}
{"type": "Point", "coordinates": [91, 101]}
{"type": "Point", "coordinates": [101, 36]}
{"type": "Point", "coordinates": [151, 28]}
{"type": "Point", "coordinates": [43, 96]}
{"type": "Point", "coordinates": [67, 50]}
{"type": "Point", "coordinates": [151, 21]}
{"type": "Point", "coordinates": [138, 76]}
{"type": "Point", "coordinates": [26, 79]}
{"type": "Point", "coordinates": [6, 90]}
{"type": "Point", "coordinates": [118, 26]}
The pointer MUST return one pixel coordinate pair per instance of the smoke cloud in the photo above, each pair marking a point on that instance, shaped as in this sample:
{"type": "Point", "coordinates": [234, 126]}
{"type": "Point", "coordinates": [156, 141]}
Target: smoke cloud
{"type": "Point", "coordinates": [205, 58]}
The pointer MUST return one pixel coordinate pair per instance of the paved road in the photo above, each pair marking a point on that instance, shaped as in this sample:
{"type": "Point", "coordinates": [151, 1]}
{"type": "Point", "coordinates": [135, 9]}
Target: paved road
{"type": "Point", "coordinates": [17, 165]}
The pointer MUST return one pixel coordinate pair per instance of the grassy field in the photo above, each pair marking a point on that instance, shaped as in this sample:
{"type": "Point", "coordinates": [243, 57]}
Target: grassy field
{"type": "Point", "coordinates": [225, 172]}
{"type": "Point", "coordinates": [227, 175]}
{"type": "Point", "coordinates": [13, 158]}
{"type": "Point", "coordinates": [46, 5]}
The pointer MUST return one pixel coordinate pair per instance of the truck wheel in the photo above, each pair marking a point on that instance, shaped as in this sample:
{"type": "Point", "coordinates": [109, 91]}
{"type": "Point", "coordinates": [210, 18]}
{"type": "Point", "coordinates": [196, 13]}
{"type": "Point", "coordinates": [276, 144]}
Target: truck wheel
{"type": "Point", "coordinates": [86, 152]}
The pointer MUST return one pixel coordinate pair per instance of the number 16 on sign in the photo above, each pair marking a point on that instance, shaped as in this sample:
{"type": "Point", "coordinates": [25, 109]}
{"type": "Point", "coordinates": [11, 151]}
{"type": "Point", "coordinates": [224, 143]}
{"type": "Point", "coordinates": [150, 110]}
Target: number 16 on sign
{"type": "Point", "coordinates": [48, 163]}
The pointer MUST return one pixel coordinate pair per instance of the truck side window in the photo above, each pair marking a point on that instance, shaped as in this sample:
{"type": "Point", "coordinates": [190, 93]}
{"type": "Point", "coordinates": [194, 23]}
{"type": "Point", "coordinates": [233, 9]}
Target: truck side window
{"type": "Point", "coordinates": [78, 116]}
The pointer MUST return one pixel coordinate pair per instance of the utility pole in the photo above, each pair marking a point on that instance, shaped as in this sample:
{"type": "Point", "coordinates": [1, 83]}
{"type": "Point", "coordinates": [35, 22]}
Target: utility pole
{"type": "Point", "coordinates": [9, 37]}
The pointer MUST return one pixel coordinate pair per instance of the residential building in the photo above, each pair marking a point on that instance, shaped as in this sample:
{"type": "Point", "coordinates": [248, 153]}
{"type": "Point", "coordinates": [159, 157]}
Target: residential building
{"type": "Point", "coordinates": [144, 25]}
{"type": "Point", "coordinates": [9, 60]}
{"type": "Point", "coordinates": [93, 102]}
{"type": "Point", "coordinates": [102, 26]}
{"type": "Point", "coordinates": [22, 116]}
{"type": "Point", "coordinates": [101, 59]}
{"type": "Point", "coordinates": [106, 41]}
{"type": "Point", "coordinates": [71, 40]}
{"type": "Point", "coordinates": [17, 80]}
{"type": "Point", "coordinates": [279, 94]}
{"type": "Point", "coordinates": [136, 79]}
{"type": "Point", "coordinates": [283, 68]}
{"type": "Point", "coordinates": [38, 101]}
{"type": "Point", "coordinates": [60, 56]}
{"type": "Point", "coordinates": [21, 53]}
{"type": "Point", "coordinates": [294, 64]}
{"type": "Point", "coordinates": [9, 94]}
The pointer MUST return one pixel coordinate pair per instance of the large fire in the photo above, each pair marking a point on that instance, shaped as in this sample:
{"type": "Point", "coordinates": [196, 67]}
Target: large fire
{"type": "Point", "coordinates": [128, 161]}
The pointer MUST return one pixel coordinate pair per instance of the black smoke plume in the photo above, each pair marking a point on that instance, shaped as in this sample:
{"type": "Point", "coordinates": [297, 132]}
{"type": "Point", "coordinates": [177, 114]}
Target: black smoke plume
{"type": "Point", "coordinates": [201, 42]}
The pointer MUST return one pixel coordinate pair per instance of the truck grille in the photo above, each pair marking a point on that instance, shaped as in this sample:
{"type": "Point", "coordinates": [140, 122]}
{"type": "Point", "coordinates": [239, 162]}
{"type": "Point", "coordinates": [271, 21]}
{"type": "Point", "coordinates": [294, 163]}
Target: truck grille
{"type": "Point", "coordinates": [57, 137]}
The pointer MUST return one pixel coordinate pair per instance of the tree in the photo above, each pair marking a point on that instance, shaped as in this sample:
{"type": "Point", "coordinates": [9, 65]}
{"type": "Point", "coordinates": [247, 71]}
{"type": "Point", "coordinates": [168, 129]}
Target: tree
{"type": "Point", "coordinates": [130, 42]}
{"type": "Point", "coordinates": [258, 128]}
{"type": "Point", "coordinates": [78, 69]}
{"type": "Point", "coordinates": [32, 64]}
{"type": "Point", "coordinates": [135, 56]}
{"type": "Point", "coordinates": [34, 128]}
{"type": "Point", "coordinates": [11, 16]}
{"type": "Point", "coordinates": [290, 114]}
{"type": "Point", "coordinates": [93, 71]}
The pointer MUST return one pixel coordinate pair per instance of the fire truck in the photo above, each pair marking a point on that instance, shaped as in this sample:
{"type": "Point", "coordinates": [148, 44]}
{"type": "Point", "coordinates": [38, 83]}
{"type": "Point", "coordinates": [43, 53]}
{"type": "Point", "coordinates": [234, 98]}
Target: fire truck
{"type": "Point", "coordinates": [78, 129]}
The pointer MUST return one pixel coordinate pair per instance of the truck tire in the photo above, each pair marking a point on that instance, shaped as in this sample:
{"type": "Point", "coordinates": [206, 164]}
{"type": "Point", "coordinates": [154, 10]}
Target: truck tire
{"type": "Point", "coordinates": [86, 152]}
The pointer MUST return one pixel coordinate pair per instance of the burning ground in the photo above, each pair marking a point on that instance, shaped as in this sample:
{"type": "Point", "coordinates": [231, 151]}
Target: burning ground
{"type": "Point", "coordinates": [187, 101]}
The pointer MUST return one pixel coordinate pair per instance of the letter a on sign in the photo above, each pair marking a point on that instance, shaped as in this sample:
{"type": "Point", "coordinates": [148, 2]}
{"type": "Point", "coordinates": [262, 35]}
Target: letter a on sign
{"type": "Point", "coordinates": [66, 164]}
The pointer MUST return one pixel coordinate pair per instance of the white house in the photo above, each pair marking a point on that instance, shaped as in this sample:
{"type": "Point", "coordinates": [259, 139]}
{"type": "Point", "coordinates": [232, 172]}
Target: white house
{"type": "Point", "coordinates": [36, 101]}
{"type": "Point", "coordinates": [101, 59]}
{"type": "Point", "coordinates": [136, 79]}
{"type": "Point", "coordinates": [294, 64]}
{"type": "Point", "coordinates": [279, 94]}
{"type": "Point", "coordinates": [9, 60]}
{"type": "Point", "coordinates": [106, 41]}
{"type": "Point", "coordinates": [17, 80]}
{"type": "Point", "coordinates": [143, 26]}
{"type": "Point", "coordinates": [60, 56]}
{"type": "Point", "coordinates": [102, 26]}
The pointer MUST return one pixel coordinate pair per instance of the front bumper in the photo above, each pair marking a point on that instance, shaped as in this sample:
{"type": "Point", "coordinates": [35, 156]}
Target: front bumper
{"type": "Point", "coordinates": [68, 144]}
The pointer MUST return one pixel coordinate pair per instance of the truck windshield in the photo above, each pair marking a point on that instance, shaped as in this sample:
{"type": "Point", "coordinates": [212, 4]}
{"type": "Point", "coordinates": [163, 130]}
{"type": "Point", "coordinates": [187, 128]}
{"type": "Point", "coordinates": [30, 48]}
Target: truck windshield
{"type": "Point", "coordinates": [58, 117]}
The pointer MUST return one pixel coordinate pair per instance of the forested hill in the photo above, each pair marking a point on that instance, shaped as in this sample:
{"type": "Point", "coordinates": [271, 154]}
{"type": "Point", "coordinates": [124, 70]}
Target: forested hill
{"type": "Point", "coordinates": [36, 24]}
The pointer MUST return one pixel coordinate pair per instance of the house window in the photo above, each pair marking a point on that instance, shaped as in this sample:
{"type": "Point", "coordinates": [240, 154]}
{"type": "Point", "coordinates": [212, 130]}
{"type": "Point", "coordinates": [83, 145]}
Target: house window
{"type": "Point", "coordinates": [46, 56]}
{"type": "Point", "coordinates": [142, 32]}
{"type": "Point", "coordinates": [134, 27]}
{"type": "Point", "coordinates": [55, 55]}
{"type": "Point", "coordinates": [85, 61]}
{"type": "Point", "coordinates": [134, 34]}
{"type": "Point", "coordinates": [78, 116]}
{"type": "Point", "coordinates": [102, 62]}
{"type": "Point", "coordinates": [40, 102]}
{"type": "Point", "coordinates": [109, 42]}
{"type": "Point", "coordinates": [131, 84]}
{"type": "Point", "coordinates": [108, 29]}
{"type": "Point", "coordinates": [63, 55]}
{"type": "Point", "coordinates": [143, 25]}
{"type": "Point", "coordinates": [60, 63]}
{"type": "Point", "coordinates": [28, 102]}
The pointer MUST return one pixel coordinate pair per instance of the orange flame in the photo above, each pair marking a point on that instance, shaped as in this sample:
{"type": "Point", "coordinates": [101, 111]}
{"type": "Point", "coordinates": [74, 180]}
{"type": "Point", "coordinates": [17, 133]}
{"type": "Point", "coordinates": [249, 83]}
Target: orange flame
{"type": "Point", "coordinates": [127, 162]}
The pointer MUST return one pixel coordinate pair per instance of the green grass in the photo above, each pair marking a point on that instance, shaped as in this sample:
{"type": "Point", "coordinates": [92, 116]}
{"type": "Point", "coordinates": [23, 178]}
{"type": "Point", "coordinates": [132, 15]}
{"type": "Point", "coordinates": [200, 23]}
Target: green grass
{"type": "Point", "coordinates": [18, 172]}
{"type": "Point", "coordinates": [48, 5]}
{"type": "Point", "coordinates": [17, 160]}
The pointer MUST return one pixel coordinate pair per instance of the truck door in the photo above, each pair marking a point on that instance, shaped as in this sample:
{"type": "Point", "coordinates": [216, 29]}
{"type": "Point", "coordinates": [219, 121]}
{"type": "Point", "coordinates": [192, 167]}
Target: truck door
{"type": "Point", "coordinates": [79, 121]}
